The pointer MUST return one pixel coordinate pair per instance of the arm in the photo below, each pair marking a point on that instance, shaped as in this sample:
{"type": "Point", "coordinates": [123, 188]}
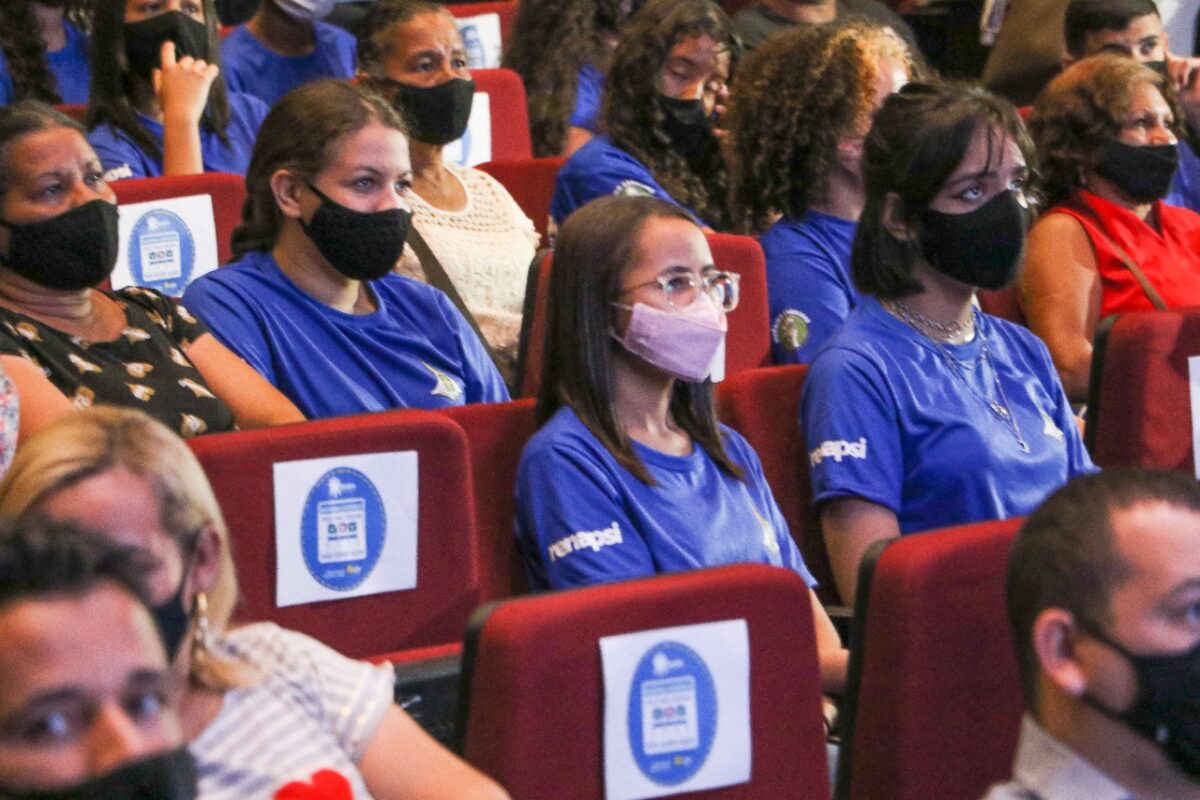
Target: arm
{"type": "Point", "coordinates": [403, 761]}
{"type": "Point", "coordinates": [832, 656]}
{"type": "Point", "coordinates": [41, 401]}
{"type": "Point", "coordinates": [182, 87]}
{"type": "Point", "coordinates": [254, 402]}
{"type": "Point", "coordinates": [850, 526]}
{"type": "Point", "coordinates": [1060, 293]}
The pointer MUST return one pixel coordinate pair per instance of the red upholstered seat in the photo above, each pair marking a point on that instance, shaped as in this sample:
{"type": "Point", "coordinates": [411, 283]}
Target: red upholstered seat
{"type": "Point", "coordinates": [934, 701]}
{"type": "Point", "coordinates": [239, 466]}
{"type": "Point", "coordinates": [76, 111]}
{"type": "Point", "coordinates": [748, 343]}
{"type": "Point", "coordinates": [764, 406]}
{"type": "Point", "coordinates": [228, 193]}
{"type": "Point", "coordinates": [496, 435]}
{"type": "Point", "coordinates": [530, 181]}
{"type": "Point", "coordinates": [510, 116]}
{"type": "Point", "coordinates": [1139, 406]}
{"type": "Point", "coordinates": [506, 9]}
{"type": "Point", "coordinates": [535, 706]}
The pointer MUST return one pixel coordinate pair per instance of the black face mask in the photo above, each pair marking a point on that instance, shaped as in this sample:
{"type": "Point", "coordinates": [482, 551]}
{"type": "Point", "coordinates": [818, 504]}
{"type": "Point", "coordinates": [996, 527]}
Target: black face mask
{"type": "Point", "coordinates": [1158, 66]}
{"type": "Point", "coordinates": [981, 248]}
{"type": "Point", "coordinates": [171, 619]}
{"type": "Point", "coordinates": [1167, 707]}
{"type": "Point", "coordinates": [1143, 173]}
{"type": "Point", "coordinates": [362, 245]}
{"type": "Point", "coordinates": [170, 775]}
{"type": "Point", "coordinates": [439, 114]}
{"type": "Point", "coordinates": [75, 250]}
{"type": "Point", "coordinates": [688, 126]}
{"type": "Point", "coordinates": [144, 40]}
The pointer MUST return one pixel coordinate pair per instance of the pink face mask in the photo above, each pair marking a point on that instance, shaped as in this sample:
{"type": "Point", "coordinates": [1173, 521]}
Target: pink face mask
{"type": "Point", "coordinates": [684, 343]}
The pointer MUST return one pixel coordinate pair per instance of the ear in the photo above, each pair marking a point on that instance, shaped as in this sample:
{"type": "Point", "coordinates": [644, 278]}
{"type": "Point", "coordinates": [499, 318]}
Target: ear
{"type": "Point", "coordinates": [286, 188]}
{"type": "Point", "coordinates": [206, 560]}
{"type": "Point", "coordinates": [1054, 639]}
{"type": "Point", "coordinates": [892, 219]}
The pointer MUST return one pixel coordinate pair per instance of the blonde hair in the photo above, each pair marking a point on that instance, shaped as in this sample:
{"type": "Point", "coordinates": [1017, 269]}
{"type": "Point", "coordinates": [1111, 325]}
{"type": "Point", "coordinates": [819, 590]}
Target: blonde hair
{"type": "Point", "coordinates": [84, 444]}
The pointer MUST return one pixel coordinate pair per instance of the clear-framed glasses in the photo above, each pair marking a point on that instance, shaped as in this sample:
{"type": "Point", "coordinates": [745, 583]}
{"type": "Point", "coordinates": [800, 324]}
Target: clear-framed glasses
{"type": "Point", "coordinates": [681, 290]}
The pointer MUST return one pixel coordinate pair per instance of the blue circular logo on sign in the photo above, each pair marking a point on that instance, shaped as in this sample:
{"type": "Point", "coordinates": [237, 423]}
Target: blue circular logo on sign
{"type": "Point", "coordinates": [162, 252]}
{"type": "Point", "coordinates": [672, 713]}
{"type": "Point", "coordinates": [343, 529]}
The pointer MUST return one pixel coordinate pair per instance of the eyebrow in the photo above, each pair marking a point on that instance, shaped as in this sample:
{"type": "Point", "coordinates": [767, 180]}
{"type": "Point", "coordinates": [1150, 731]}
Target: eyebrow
{"type": "Point", "coordinates": [1190, 585]}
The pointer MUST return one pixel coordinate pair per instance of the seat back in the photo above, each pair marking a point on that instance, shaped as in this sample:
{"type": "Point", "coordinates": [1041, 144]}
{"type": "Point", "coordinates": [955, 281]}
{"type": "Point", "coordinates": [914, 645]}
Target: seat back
{"type": "Point", "coordinates": [530, 181]}
{"type": "Point", "coordinates": [496, 435]}
{"type": "Point", "coordinates": [1139, 404]}
{"type": "Point", "coordinates": [933, 702]}
{"type": "Point", "coordinates": [76, 111]}
{"type": "Point", "coordinates": [510, 116]}
{"type": "Point", "coordinates": [535, 694]}
{"type": "Point", "coordinates": [228, 194]}
{"type": "Point", "coordinates": [239, 466]}
{"type": "Point", "coordinates": [748, 342]}
{"type": "Point", "coordinates": [764, 406]}
{"type": "Point", "coordinates": [505, 9]}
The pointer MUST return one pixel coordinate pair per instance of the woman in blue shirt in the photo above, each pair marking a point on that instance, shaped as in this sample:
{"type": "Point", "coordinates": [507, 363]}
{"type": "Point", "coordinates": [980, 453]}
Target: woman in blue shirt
{"type": "Point", "coordinates": [630, 474]}
{"type": "Point", "coordinates": [158, 104]}
{"type": "Point", "coordinates": [43, 52]}
{"type": "Point", "coordinates": [922, 412]}
{"type": "Point", "coordinates": [311, 301]}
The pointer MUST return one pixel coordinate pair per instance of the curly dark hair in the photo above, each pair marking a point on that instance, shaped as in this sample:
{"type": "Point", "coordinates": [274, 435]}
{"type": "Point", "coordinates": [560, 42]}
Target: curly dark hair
{"type": "Point", "coordinates": [1082, 110]}
{"type": "Point", "coordinates": [25, 52]}
{"type": "Point", "coordinates": [795, 98]}
{"type": "Point", "coordinates": [635, 120]}
{"type": "Point", "coordinates": [116, 91]}
{"type": "Point", "coordinates": [551, 41]}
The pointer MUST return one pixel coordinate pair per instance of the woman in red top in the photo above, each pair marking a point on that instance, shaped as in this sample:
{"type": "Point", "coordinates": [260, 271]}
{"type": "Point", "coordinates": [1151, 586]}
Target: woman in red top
{"type": "Point", "coordinates": [1106, 131]}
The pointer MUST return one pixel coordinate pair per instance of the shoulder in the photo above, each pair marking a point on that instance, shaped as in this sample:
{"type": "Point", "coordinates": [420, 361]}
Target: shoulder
{"type": "Point", "coordinates": [145, 298]}
{"type": "Point", "coordinates": [601, 152]}
{"type": "Point", "coordinates": [238, 40]}
{"type": "Point", "coordinates": [247, 282]}
{"type": "Point", "coordinates": [563, 433]}
{"type": "Point", "coordinates": [1019, 341]}
{"type": "Point", "coordinates": [741, 451]}
{"type": "Point", "coordinates": [333, 36]}
{"type": "Point", "coordinates": [247, 108]}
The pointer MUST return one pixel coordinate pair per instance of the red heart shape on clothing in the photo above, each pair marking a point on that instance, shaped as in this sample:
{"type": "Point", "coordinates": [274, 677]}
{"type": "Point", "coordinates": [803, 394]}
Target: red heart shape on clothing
{"type": "Point", "coordinates": [326, 785]}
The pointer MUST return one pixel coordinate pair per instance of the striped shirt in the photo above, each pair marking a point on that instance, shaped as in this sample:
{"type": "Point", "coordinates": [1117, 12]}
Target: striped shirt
{"type": "Point", "coordinates": [311, 710]}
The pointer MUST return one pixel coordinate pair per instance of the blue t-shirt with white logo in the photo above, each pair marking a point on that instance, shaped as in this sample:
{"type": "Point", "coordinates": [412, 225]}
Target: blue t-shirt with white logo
{"type": "Point", "coordinates": [122, 158]}
{"type": "Point", "coordinates": [69, 66]}
{"type": "Point", "coordinates": [588, 94]}
{"type": "Point", "coordinates": [601, 168]}
{"type": "Point", "coordinates": [250, 67]}
{"type": "Point", "coordinates": [584, 519]}
{"type": "Point", "coordinates": [809, 290]}
{"type": "Point", "coordinates": [889, 421]}
{"type": "Point", "coordinates": [414, 351]}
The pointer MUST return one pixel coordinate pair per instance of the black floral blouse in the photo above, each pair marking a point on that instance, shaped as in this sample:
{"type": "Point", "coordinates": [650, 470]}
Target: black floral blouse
{"type": "Point", "coordinates": [145, 367]}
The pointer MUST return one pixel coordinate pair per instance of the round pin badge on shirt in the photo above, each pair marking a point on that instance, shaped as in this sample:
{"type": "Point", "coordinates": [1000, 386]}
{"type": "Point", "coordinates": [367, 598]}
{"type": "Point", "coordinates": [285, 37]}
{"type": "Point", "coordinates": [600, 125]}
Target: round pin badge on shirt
{"type": "Point", "coordinates": [162, 252]}
{"type": "Point", "coordinates": [343, 529]}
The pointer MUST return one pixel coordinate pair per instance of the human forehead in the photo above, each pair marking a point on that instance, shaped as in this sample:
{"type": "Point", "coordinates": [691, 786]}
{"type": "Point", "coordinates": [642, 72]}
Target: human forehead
{"type": "Point", "coordinates": [666, 244]}
{"type": "Point", "coordinates": [1160, 545]}
{"type": "Point", "coordinates": [117, 503]}
{"type": "Point", "coordinates": [57, 148]}
{"type": "Point", "coordinates": [1138, 30]}
{"type": "Point", "coordinates": [374, 146]}
{"type": "Point", "coordinates": [428, 30]}
{"type": "Point", "coordinates": [700, 52]}
{"type": "Point", "coordinates": [93, 643]}
{"type": "Point", "coordinates": [990, 151]}
{"type": "Point", "coordinates": [1145, 96]}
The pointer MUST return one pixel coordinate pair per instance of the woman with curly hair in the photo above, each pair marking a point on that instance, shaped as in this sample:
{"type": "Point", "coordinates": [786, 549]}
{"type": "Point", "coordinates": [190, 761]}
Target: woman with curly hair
{"type": "Point", "coordinates": [666, 79]}
{"type": "Point", "coordinates": [44, 51]}
{"type": "Point", "coordinates": [158, 103]}
{"type": "Point", "coordinates": [800, 108]}
{"type": "Point", "coordinates": [1107, 131]}
{"type": "Point", "coordinates": [561, 49]}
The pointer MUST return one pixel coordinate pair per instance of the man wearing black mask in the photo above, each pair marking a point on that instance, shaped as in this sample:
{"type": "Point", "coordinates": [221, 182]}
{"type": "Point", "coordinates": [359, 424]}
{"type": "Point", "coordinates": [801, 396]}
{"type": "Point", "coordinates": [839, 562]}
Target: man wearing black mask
{"type": "Point", "coordinates": [1104, 599]}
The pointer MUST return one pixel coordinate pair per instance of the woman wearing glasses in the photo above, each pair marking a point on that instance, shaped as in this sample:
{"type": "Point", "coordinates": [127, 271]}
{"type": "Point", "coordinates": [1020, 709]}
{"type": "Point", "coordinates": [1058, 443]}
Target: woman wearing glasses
{"type": "Point", "coordinates": [630, 474]}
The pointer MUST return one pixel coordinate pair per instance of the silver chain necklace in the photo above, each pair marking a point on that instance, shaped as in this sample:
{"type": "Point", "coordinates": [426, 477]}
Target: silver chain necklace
{"type": "Point", "coordinates": [949, 330]}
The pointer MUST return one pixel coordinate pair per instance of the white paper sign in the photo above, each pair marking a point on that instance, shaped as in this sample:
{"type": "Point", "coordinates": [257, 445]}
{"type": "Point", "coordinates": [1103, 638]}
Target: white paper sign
{"type": "Point", "coordinates": [475, 146]}
{"type": "Point", "coordinates": [345, 526]}
{"type": "Point", "coordinates": [481, 36]}
{"type": "Point", "coordinates": [676, 710]}
{"type": "Point", "coordinates": [165, 244]}
{"type": "Point", "coordinates": [1194, 391]}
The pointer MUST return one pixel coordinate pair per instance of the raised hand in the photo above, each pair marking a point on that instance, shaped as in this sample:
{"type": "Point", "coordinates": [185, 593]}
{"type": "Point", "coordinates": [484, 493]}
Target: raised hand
{"type": "Point", "coordinates": [182, 85]}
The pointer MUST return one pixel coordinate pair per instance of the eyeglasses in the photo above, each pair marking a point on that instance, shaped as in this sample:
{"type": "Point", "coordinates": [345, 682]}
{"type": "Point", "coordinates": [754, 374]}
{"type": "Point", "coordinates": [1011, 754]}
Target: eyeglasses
{"type": "Point", "coordinates": [682, 290]}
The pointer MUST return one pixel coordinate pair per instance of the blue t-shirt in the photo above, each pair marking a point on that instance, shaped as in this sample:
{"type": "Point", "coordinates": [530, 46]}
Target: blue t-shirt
{"type": "Point", "coordinates": [72, 74]}
{"type": "Point", "coordinates": [601, 168]}
{"type": "Point", "coordinates": [588, 93]}
{"type": "Point", "coordinates": [584, 519]}
{"type": "Point", "coordinates": [250, 67]}
{"type": "Point", "coordinates": [809, 290]}
{"type": "Point", "coordinates": [415, 351]}
{"type": "Point", "coordinates": [122, 158]}
{"type": "Point", "coordinates": [1185, 189]}
{"type": "Point", "coordinates": [889, 421]}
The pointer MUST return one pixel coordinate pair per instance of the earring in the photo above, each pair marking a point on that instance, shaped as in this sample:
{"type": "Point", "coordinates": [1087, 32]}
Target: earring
{"type": "Point", "coordinates": [201, 637]}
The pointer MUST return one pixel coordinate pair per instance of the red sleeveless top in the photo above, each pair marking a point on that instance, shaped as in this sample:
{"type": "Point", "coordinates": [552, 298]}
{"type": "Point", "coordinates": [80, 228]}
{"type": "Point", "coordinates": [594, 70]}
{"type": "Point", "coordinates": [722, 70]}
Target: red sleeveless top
{"type": "Point", "coordinates": [1170, 260]}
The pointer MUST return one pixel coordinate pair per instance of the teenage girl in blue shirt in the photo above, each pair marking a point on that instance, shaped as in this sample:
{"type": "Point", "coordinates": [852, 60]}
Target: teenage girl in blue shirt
{"type": "Point", "coordinates": [158, 104]}
{"type": "Point", "coordinates": [43, 52]}
{"type": "Point", "coordinates": [630, 474]}
{"type": "Point", "coordinates": [922, 412]}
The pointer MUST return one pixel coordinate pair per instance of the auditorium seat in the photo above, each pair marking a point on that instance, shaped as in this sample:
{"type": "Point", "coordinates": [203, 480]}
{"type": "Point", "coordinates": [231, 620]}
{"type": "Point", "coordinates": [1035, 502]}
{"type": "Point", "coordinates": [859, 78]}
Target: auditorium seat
{"type": "Point", "coordinates": [533, 690]}
{"type": "Point", "coordinates": [933, 699]}
{"type": "Point", "coordinates": [510, 115]}
{"type": "Point", "coordinates": [76, 111]}
{"type": "Point", "coordinates": [530, 181]}
{"type": "Point", "coordinates": [228, 193]}
{"type": "Point", "coordinates": [1139, 400]}
{"type": "Point", "coordinates": [505, 9]}
{"type": "Point", "coordinates": [239, 465]}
